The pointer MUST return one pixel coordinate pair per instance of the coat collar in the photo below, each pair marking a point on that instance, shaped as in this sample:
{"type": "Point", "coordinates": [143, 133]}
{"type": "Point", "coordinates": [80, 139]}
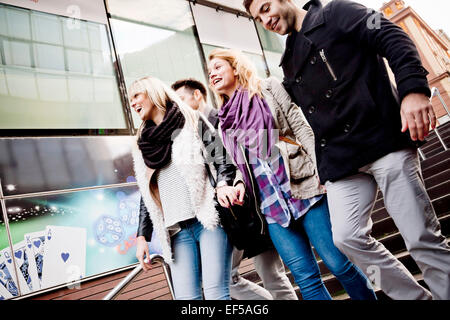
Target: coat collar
{"type": "Point", "coordinates": [313, 19]}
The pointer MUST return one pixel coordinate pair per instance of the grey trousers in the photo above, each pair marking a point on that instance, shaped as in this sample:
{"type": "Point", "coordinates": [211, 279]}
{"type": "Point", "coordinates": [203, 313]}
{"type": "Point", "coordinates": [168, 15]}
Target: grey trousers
{"type": "Point", "coordinates": [270, 269]}
{"type": "Point", "coordinates": [351, 200]}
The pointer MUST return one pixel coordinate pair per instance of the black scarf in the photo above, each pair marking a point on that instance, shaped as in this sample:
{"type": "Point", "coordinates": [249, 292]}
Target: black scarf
{"type": "Point", "coordinates": [156, 141]}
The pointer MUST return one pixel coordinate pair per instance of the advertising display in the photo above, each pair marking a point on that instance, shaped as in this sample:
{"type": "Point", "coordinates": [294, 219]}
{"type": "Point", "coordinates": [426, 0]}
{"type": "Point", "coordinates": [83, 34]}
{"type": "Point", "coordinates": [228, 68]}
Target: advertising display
{"type": "Point", "coordinates": [60, 239]}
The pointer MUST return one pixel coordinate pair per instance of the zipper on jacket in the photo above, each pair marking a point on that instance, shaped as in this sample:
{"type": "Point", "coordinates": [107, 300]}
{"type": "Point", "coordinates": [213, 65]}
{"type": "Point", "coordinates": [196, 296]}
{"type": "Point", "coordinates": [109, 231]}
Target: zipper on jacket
{"type": "Point", "coordinates": [253, 187]}
{"type": "Point", "coordinates": [325, 60]}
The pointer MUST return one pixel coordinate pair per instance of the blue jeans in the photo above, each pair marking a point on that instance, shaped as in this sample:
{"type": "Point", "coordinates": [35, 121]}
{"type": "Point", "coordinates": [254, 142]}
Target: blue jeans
{"type": "Point", "coordinates": [201, 256]}
{"type": "Point", "coordinates": [293, 245]}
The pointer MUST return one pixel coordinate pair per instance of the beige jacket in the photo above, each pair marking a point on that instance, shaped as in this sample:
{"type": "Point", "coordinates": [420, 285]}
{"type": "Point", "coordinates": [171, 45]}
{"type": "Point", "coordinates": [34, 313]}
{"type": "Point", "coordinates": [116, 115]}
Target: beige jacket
{"type": "Point", "coordinates": [300, 162]}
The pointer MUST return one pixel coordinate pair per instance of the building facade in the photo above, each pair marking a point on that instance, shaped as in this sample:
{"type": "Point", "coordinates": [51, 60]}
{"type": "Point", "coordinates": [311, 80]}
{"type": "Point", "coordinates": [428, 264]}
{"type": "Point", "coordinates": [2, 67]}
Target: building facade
{"type": "Point", "coordinates": [434, 49]}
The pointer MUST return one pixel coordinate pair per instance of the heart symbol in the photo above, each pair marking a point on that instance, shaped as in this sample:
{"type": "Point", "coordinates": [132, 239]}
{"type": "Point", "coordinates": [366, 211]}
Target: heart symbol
{"type": "Point", "coordinates": [65, 256]}
{"type": "Point", "coordinates": [9, 260]}
{"type": "Point", "coordinates": [18, 254]}
{"type": "Point", "coordinates": [49, 237]}
{"type": "Point", "coordinates": [37, 243]}
{"type": "Point", "coordinates": [29, 245]}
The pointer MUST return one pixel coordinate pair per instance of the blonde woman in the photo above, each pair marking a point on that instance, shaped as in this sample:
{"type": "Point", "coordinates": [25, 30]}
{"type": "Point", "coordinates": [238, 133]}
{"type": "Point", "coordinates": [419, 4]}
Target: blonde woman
{"type": "Point", "coordinates": [273, 146]}
{"type": "Point", "coordinates": [177, 198]}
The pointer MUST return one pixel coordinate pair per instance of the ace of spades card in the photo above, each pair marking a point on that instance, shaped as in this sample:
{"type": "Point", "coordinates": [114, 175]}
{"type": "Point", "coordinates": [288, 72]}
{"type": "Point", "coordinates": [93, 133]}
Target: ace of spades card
{"type": "Point", "coordinates": [64, 255]}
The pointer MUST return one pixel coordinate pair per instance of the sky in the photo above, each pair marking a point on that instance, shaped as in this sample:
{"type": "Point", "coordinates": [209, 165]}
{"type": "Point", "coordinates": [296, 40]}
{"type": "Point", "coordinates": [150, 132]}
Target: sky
{"type": "Point", "coordinates": [436, 13]}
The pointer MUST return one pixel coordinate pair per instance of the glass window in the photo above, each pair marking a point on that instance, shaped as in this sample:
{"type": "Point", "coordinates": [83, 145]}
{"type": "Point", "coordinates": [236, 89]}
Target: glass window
{"type": "Point", "coordinates": [159, 43]}
{"type": "Point", "coordinates": [223, 29]}
{"type": "Point", "coordinates": [273, 45]}
{"type": "Point", "coordinates": [55, 74]}
{"type": "Point", "coordinates": [47, 164]}
{"type": "Point", "coordinates": [66, 235]}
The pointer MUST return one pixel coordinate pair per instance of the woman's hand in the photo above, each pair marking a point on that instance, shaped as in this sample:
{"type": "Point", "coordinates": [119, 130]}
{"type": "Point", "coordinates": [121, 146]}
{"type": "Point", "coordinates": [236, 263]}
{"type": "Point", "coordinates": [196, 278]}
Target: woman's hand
{"type": "Point", "coordinates": [227, 196]}
{"type": "Point", "coordinates": [143, 252]}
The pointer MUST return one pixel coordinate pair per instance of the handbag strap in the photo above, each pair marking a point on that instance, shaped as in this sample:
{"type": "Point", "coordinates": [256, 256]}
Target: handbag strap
{"type": "Point", "coordinates": [290, 141]}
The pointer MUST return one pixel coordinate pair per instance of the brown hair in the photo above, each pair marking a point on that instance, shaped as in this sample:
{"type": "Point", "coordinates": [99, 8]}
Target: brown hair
{"type": "Point", "coordinates": [247, 4]}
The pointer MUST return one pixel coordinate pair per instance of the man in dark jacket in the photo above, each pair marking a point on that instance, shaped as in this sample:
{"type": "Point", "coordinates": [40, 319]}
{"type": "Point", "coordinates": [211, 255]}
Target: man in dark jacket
{"type": "Point", "coordinates": [367, 131]}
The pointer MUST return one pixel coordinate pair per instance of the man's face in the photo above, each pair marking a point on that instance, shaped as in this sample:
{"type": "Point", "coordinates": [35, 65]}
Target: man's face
{"type": "Point", "coordinates": [189, 97]}
{"type": "Point", "coordinates": [274, 15]}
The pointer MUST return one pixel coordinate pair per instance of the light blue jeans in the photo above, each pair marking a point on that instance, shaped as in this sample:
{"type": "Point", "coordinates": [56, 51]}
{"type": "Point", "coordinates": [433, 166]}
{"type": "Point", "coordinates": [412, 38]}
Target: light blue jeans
{"type": "Point", "coordinates": [293, 245]}
{"type": "Point", "coordinates": [201, 256]}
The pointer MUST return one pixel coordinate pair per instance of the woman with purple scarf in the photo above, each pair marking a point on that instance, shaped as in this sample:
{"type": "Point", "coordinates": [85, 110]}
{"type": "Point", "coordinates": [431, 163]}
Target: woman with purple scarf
{"type": "Point", "coordinates": [272, 144]}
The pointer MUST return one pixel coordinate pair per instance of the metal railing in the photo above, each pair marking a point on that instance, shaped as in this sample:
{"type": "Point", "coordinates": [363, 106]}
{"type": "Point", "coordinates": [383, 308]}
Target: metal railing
{"type": "Point", "coordinates": [435, 93]}
{"type": "Point", "coordinates": [114, 293]}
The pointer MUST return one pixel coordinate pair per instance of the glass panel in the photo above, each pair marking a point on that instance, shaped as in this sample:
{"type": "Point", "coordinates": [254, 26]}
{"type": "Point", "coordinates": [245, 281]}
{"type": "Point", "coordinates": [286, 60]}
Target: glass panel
{"type": "Point", "coordinates": [49, 71]}
{"type": "Point", "coordinates": [8, 287]}
{"type": "Point", "coordinates": [46, 164]}
{"type": "Point", "coordinates": [75, 235]}
{"type": "Point", "coordinates": [222, 29]}
{"type": "Point", "coordinates": [273, 45]}
{"type": "Point", "coordinates": [160, 43]}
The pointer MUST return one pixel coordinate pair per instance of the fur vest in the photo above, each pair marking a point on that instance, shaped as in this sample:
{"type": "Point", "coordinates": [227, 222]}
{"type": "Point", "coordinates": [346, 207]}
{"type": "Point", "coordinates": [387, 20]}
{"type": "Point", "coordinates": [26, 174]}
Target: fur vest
{"type": "Point", "coordinates": [187, 156]}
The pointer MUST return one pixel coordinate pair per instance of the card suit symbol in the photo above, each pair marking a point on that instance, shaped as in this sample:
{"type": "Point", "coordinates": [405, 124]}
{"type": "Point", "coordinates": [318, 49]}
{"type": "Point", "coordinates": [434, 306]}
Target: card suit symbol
{"type": "Point", "coordinates": [65, 256]}
{"type": "Point", "coordinates": [29, 245]}
{"type": "Point", "coordinates": [49, 237]}
{"type": "Point", "coordinates": [18, 254]}
{"type": "Point", "coordinates": [9, 260]}
{"type": "Point", "coordinates": [37, 243]}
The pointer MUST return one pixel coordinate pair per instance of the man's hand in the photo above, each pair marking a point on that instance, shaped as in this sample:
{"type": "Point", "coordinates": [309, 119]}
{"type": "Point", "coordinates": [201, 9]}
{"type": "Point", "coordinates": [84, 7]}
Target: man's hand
{"type": "Point", "coordinates": [227, 196]}
{"type": "Point", "coordinates": [141, 252]}
{"type": "Point", "coordinates": [417, 113]}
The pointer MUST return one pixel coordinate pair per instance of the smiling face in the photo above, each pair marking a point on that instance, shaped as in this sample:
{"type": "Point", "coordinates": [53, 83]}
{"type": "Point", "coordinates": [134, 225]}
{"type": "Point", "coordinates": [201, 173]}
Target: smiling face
{"type": "Point", "coordinates": [275, 15]}
{"type": "Point", "coordinates": [222, 77]}
{"type": "Point", "coordinates": [142, 105]}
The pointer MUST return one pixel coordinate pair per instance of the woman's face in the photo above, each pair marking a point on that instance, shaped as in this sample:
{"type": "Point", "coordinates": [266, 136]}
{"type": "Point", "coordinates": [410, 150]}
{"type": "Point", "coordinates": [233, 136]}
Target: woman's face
{"type": "Point", "coordinates": [222, 77]}
{"type": "Point", "coordinates": [142, 105]}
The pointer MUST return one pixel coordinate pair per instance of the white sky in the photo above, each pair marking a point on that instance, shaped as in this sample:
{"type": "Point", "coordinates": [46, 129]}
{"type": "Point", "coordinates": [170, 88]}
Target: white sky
{"type": "Point", "coordinates": [436, 13]}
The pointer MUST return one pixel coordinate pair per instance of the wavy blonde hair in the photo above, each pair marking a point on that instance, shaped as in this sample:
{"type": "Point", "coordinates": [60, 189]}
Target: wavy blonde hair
{"type": "Point", "coordinates": [247, 75]}
{"type": "Point", "coordinates": [160, 95]}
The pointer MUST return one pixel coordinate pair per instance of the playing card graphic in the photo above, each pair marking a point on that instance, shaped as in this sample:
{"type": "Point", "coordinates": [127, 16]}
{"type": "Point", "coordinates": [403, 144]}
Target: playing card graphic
{"type": "Point", "coordinates": [26, 268]}
{"type": "Point", "coordinates": [6, 277]}
{"type": "Point", "coordinates": [64, 255]}
{"type": "Point", "coordinates": [36, 242]}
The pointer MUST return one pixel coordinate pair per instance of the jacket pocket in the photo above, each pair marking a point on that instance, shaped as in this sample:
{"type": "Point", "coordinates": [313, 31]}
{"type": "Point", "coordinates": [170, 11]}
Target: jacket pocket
{"type": "Point", "coordinates": [328, 65]}
{"type": "Point", "coordinates": [300, 164]}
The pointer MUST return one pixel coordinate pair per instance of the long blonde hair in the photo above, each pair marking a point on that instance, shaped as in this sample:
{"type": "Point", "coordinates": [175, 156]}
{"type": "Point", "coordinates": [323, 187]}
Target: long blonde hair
{"type": "Point", "coordinates": [247, 75]}
{"type": "Point", "coordinates": [160, 95]}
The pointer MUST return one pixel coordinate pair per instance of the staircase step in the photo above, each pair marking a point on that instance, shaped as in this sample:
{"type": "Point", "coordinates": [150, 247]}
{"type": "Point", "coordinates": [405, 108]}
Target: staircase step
{"type": "Point", "coordinates": [434, 192]}
{"type": "Point", "coordinates": [380, 294]}
{"type": "Point", "coordinates": [393, 241]}
{"type": "Point", "coordinates": [431, 161]}
{"type": "Point", "coordinates": [436, 168]}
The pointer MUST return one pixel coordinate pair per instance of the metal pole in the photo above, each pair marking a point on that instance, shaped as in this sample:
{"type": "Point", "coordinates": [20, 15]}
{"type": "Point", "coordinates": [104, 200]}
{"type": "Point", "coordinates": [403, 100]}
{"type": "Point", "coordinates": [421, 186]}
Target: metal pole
{"type": "Point", "coordinates": [135, 273]}
{"type": "Point", "coordinates": [435, 92]}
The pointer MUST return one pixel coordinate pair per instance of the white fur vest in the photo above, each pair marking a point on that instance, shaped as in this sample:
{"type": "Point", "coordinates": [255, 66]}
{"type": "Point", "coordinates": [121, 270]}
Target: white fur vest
{"type": "Point", "coordinates": [187, 155]}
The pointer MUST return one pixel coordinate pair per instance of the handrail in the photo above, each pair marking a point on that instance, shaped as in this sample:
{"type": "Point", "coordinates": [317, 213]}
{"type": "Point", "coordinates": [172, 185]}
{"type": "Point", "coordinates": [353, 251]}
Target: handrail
{"type": "Point", "coordinates": [435, 93]}
{"type": "Point", "coordinates": [135, 273]}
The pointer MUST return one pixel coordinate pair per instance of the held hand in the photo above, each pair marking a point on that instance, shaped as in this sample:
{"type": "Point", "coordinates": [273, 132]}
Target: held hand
{"type": "Point", "coordinates": [226, 196]}
{"type": "Point", "coordinates": [417, 113]}
{"type": "Point", "coordinates": [143, 252]}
